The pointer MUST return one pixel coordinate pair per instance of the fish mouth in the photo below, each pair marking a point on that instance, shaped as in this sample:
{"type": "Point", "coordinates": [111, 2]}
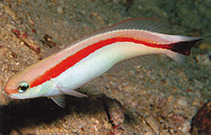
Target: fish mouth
{"type": "Point", "coordinates": [16, 96]}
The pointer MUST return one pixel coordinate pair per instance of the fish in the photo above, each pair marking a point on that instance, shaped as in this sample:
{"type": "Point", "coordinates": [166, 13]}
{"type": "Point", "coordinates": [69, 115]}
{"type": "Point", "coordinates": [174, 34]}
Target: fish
{"type": "Point", "coordinates": [86, 59]}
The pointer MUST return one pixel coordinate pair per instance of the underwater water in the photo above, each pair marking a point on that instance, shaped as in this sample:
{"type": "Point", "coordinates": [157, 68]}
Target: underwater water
{"type": "Point", "coordinates": [158, 98]}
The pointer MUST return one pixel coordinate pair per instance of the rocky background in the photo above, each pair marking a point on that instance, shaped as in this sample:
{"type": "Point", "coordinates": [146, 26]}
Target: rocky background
{"type": "Point", "coordinates": [157, 98]}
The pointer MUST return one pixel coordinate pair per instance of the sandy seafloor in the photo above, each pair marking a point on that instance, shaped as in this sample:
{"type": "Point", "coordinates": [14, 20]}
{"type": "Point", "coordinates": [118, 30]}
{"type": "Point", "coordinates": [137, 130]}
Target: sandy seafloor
{"type": "Point", "coordinates": [158, 98]}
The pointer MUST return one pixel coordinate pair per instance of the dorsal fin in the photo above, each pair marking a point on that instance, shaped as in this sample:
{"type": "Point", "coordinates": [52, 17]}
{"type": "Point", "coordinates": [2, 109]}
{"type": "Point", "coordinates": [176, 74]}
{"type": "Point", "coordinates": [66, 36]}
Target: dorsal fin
{"type": "Point", "coordinates": [135, 23]}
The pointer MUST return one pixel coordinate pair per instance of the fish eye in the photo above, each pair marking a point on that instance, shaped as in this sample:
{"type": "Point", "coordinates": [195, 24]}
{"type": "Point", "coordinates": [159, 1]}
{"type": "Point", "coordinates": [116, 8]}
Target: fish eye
{"type": "Point", "coordinates": [23, 87]}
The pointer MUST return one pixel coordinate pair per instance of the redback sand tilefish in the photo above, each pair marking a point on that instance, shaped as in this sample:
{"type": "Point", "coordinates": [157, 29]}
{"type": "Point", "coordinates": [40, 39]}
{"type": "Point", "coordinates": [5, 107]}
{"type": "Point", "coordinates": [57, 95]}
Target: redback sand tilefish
{"type": "Point", "coordinates": [91, 56]}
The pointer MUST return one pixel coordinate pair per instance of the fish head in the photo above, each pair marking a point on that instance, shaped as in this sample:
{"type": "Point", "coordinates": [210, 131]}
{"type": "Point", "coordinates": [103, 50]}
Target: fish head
{"type": "Point", "coordinates": [18, 88]}
{"type": "Point", "coordinates": [29, 83]}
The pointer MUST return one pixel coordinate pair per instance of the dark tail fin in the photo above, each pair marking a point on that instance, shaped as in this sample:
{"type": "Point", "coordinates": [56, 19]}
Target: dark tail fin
{"type": "Point", "coordinates": [184, 47]}
{"type": "Point", "coordinates": [180, 50]}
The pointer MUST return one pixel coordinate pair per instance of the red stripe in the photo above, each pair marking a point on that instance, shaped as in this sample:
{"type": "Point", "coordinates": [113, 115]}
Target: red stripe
{"type": "Point", "coordinates": [73, 59]}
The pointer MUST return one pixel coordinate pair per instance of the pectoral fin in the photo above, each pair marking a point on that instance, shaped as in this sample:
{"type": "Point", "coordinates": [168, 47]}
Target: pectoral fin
{"type": "Point", "coordinates": [59, 100]}
{"type": "Point", "coordinates": [71, 92]}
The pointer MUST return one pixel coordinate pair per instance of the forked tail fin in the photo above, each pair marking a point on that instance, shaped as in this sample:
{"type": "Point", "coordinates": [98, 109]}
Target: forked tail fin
{"type": "Point", "coordinates": [184, 47]}
{"type": "Point", "coordinates": [181, 49]}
